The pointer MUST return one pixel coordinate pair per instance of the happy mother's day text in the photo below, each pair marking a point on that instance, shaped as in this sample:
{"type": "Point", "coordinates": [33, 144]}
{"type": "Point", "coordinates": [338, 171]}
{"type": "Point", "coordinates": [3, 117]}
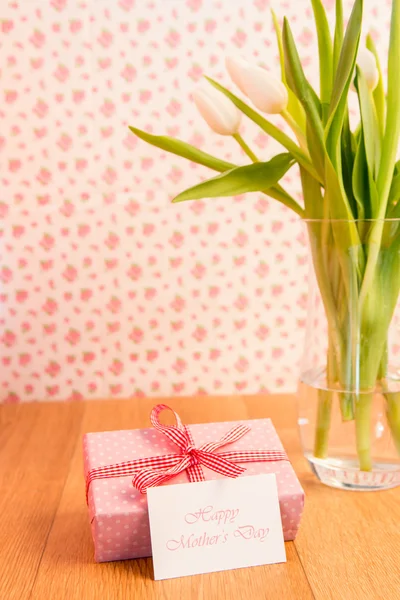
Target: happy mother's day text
{"type": "Point", "coordinates": [220, 521]}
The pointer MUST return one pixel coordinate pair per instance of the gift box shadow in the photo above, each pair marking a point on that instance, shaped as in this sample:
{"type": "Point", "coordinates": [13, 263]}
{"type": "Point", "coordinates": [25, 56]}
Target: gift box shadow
{"type": "Point", "coordinates": [68, 542]}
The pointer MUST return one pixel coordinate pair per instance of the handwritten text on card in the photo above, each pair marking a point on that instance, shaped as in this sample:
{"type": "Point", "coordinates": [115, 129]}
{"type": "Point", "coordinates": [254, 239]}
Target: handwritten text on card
{"type": "Point", "coordinates": [221, 517]}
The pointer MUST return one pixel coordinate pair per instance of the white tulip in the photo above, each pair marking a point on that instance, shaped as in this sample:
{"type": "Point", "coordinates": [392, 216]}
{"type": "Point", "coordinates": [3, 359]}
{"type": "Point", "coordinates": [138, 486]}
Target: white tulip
{"type": "Point", "coordinates": [235, 67]}
{"type": "Point", "coordinates": [367, 64]}
{"type": "Point", "coordinates": [217, 110]}
{"type": "Point", "coordinates": [266, 92]}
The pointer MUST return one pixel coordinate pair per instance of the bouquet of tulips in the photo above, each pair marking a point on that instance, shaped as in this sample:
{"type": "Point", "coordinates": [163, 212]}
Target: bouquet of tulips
{"type": "Point", "coordinates": [351, 185]}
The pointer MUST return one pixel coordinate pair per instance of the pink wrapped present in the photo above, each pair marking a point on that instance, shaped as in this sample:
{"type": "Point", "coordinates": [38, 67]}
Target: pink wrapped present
{"type": "Point", "coordinates": [118, 464]}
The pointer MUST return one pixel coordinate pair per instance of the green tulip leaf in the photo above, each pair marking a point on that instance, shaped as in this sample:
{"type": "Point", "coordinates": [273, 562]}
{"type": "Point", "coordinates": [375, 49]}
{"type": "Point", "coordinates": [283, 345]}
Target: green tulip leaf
{"type": "Point", "coordinates": [313, 200]}
{"type": "Point", "coordinates": [296, 79]}
{"type": "Point", "coordinates": [338, 38]}
{"type": "Point", "coordinates": [256, 177]}
{"type": "Point", "coordinates": [183, 149]}
{"type": "Point", "coordinates": [304, 92]}
{"type": "Point", "coordinates": [392, 130]}
{"type": "Point", "coordinates": [361, 179]}
{"type": "Point", "coordinates": [346, 64]}
{"type": "Point", "coordinates": [340, 210]}
{"type": "Point", "coordinates": [294, 107]}
{"type": "Point", "coordinates": [348, 153]}
{"type": "Point", "coordinates": [278, 33]}
{"type": "Point", "coordinates": [325, 54]}
{"type": "Point", "coordinates": [344, 74]}
{"type": "Point", "coordinates": [394, 195]}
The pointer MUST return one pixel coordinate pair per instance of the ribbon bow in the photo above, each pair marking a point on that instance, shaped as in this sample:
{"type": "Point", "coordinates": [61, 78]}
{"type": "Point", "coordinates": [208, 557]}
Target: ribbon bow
{"type": "Point", "coordinates": [153, 471]}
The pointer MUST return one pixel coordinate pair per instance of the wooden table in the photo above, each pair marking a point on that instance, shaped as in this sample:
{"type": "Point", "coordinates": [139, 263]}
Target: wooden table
{"type": "Point", "coordinates": [348, 546]}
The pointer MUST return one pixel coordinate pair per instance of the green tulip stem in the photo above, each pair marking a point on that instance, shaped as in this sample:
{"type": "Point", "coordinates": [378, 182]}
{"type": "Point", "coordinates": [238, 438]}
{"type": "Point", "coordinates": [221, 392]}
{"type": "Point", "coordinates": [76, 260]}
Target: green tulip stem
{"type": "Point", "coordinates": [245, 147]}
{"type": "Point", "coordinates": [363, 410]}
{"type": "Point", "coordinates": [276, 191]}
{"type": "Point", "coordinates": [321, 441]}
{"type": "Point", "coordinates": [301, 138]}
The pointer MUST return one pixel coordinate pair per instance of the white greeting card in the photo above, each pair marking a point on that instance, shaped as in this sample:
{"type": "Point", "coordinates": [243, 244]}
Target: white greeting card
{"type": "Point", "coordinates": [215, 526]}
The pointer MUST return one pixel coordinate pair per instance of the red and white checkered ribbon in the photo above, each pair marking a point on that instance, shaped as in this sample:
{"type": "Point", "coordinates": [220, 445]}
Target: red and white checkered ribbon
{"type": "Point", "coordinates": [152, 471]}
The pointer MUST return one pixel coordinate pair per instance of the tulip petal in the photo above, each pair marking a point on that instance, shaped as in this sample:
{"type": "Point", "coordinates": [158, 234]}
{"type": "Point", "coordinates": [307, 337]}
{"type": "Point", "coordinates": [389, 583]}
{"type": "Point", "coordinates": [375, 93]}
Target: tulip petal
{"type": "Point", "coordinates": [267, 93]}
{"type": "Point", "coordinates": [367, 63]}
{"type": "Point", "coordinates": [218, 112]}
{"type": "Point", "coordinates": [235, 68]}
{"type": "Point", "coordinates": [379, 91]}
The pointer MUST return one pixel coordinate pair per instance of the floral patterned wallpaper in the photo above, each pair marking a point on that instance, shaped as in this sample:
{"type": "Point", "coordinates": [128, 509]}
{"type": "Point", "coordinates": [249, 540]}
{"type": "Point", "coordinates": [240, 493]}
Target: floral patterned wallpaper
{"type": "Point", "coordinates": [106, 289]}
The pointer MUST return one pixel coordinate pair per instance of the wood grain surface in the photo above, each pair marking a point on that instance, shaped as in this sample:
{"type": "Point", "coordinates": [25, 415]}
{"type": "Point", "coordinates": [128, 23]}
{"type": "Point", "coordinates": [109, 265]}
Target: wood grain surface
{"type": "Point", "coordinates": [348, 546]}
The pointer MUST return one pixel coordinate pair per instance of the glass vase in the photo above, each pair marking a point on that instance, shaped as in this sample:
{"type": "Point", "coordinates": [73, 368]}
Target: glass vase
{"type": "Point", "coordinates": [349, 391]}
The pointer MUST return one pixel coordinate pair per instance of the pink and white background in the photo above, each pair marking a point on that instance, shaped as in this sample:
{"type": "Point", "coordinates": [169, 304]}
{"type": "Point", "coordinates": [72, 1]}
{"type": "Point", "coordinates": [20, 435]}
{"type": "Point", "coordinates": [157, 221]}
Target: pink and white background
{"type": "Point", "coordinates": [106, 289]}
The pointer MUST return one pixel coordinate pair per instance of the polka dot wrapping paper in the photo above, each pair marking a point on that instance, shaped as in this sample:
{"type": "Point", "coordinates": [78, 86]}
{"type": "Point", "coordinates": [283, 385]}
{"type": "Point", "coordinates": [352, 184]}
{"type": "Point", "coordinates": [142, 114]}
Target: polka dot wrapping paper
{"type": "Point", "coordinates": [118, 512]}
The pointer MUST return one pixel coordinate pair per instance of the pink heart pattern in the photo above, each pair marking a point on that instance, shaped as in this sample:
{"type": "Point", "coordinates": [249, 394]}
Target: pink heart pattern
{"type": "Point", "coordinates": [106, 289]}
